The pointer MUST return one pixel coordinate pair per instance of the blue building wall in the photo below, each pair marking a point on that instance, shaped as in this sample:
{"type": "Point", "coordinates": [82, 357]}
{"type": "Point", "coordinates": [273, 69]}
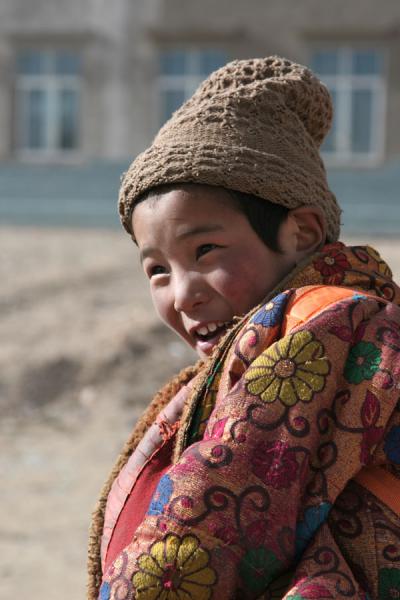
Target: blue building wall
{"type": "Point", "coordinates": [86, 196]}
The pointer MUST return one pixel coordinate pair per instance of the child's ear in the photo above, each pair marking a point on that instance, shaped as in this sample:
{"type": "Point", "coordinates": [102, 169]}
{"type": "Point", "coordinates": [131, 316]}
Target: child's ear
{"type": "Point", "coordinates": [308, 228]}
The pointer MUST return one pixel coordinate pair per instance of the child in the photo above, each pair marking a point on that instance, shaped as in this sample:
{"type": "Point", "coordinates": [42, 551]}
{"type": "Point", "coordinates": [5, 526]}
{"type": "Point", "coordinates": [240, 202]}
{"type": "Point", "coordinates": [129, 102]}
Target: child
{"type": "Point", "coordinates": [269, 469]}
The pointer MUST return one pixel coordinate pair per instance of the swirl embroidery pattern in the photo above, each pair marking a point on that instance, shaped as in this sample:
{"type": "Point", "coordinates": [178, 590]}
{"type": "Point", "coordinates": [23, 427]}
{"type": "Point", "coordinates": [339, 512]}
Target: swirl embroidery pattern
{"type": "Point", "coordinates": [262, 498]}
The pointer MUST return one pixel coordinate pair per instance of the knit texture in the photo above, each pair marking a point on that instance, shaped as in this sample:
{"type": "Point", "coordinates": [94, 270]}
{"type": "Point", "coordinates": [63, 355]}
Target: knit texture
{"type": "Point", "coordinates": [253, 126]}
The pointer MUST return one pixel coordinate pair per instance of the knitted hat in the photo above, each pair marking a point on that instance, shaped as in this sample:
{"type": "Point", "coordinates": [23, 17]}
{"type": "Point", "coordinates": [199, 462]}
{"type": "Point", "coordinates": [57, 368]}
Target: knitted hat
{"type": "Point", "coordinates": [253, 126]}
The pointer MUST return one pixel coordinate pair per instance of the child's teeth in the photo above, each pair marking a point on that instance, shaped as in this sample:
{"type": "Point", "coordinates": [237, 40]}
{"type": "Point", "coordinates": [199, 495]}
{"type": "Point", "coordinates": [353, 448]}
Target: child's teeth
{"type": "Point", "coordinates": [210, 327]}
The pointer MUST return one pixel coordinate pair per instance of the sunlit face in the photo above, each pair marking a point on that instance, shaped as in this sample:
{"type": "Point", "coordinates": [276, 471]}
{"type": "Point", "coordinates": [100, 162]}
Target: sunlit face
{"type": "Point", "coordinates": [204, 261]}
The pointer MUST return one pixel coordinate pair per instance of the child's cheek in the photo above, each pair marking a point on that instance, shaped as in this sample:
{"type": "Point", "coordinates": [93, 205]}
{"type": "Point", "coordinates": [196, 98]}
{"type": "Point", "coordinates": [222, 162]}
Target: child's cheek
{"type": "Point", "coordinates": [240, 284]}
{"type": "Point", "coordinates": [231, 284]}
{"type": "Point", "coordinates": [164, 306]}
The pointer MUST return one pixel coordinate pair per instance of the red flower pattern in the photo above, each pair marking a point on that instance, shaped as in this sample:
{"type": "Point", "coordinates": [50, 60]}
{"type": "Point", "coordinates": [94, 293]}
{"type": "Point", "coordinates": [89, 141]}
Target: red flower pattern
{"type": "Point", "coordinates": [332, 266]}
{"type": "Point", "coordinates": [275, 463]}
{"type": "Point", "coordinates": [370, 412]}
{"type": "Point", "coordinates": [254, 536]}
{"type": "Point", "coordinates": [257, 532]}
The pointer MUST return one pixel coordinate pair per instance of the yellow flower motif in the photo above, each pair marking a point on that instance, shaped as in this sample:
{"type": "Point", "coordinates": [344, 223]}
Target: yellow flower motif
{"type": "Point", "coordinates": [175, 569]}
{"type": "Point", "coordinates": [292, 369]}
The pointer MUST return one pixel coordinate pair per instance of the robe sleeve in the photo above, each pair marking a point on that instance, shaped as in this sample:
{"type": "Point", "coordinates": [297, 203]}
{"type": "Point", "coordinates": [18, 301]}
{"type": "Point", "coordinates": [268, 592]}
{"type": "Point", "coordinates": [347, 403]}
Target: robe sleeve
{"type": "Point", "coordinates": [244, 511]}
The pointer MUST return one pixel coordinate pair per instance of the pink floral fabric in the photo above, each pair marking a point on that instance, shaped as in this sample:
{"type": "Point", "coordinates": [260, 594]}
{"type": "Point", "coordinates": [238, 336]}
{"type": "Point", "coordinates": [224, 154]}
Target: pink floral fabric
{"type": "Point", "coordinates": [261, 503]}
{"type": "Point", "coordinates": [154, 438]}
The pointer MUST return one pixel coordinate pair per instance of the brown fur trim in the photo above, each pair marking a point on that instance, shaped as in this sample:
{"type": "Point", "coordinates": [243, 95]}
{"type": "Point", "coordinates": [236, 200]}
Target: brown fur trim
{"type": "Point", "coordinates": [96, 530]}
{"type": "Point", "coordinates": [199, 389]}
{"type": "Point", "coordinates": [188, 410]}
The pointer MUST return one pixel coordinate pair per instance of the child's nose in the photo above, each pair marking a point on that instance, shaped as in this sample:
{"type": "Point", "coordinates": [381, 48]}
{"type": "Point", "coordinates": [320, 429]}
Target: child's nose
{"type": "Point", "coordinates": [189, 293]}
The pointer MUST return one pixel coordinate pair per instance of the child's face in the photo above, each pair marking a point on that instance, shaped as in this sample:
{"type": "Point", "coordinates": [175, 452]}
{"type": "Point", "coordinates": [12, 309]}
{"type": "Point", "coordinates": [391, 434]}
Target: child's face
{"type": "Point", "coordinates": [204, 261]}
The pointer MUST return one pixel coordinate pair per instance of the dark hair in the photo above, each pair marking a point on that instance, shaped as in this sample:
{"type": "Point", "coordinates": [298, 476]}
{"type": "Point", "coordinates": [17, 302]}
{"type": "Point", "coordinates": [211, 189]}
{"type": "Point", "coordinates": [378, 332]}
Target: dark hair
{"type": "Point", "coordinates": [264, 216]}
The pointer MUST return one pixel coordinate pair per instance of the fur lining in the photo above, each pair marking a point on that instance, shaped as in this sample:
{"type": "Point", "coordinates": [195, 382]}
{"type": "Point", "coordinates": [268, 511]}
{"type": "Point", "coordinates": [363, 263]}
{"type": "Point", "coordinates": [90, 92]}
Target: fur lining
{"type": "Point", "coordinates": [160, 400]}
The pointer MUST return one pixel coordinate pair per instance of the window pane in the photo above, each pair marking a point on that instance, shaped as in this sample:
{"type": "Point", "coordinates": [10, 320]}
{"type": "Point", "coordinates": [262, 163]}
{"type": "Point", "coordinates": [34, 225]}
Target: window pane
{"type": "Point", "coordinates": [361, 120]}
{"type": "Point", "coordinates": [173, 62]}
{"type": "Point", "coordinates": [36, 119]}
{"type": "Point", "coordinates": [67, 63]}
{"type": "Point", "coordinates": [48, 107]}
{"type": "Point", "coordinates": [210, 60]}
{"type": "Point", "coordinates": [32, 62]}
{"type": "Point", "coordinates": [171, 100]}
{"type": "Point", "coordinates": [329, 144]}
{"type": "Point", "coordinates": [325, 62]}
{"type": "Point", "coordinates": [367, 62]}
{"type": "Point", "coordinates": [68, 126]}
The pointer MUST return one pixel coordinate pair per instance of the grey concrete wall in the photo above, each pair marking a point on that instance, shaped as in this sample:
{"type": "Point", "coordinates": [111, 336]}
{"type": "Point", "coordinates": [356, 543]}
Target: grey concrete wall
{"type": "Point", "coordinates": [287, 27]}
{"type": "Point", "coordinates": [120, 43]}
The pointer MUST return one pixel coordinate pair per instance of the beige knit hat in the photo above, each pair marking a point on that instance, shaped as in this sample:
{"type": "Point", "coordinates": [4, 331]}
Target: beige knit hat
{"type": "Point", "coordinates": [253, 126]}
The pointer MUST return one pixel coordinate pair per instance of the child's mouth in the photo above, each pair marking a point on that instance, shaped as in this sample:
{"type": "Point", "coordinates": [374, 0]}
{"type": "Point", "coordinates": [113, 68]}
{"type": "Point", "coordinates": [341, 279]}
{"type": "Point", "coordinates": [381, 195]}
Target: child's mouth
{"type": "Point", "coordinates": [207, 336]}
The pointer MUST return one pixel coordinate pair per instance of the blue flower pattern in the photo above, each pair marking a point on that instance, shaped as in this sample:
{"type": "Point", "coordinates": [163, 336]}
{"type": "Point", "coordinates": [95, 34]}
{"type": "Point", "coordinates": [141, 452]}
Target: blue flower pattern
{"type": "Point", "coordinates": [392, 445]}
{"type": "Point", "coordinates": [314, 516]}
{"type": "Point", "coordinates": [271, 314]}
{"type": "Point", "coordinates": [161, 496]}
{"type": "Point", "coordinates": [105, 591]}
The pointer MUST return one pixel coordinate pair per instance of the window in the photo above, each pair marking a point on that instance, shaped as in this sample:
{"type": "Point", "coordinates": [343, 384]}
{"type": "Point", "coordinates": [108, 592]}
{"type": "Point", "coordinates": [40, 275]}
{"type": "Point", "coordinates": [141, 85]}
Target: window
{"type": "Point", "coordinates": [355, 78]}
{"type": "Point", "coordinates": [181, 71]}
{"type": "Point", "coordinates": [47, 101]}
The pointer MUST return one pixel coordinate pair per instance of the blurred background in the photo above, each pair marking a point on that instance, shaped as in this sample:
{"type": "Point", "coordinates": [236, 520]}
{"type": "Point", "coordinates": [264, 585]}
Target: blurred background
{"type": "Point", "coordinates": [84, 86]}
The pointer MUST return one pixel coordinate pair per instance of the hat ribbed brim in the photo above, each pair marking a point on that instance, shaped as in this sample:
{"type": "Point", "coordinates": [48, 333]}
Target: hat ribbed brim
{"type": "Point", "coordinates": [239, 168]}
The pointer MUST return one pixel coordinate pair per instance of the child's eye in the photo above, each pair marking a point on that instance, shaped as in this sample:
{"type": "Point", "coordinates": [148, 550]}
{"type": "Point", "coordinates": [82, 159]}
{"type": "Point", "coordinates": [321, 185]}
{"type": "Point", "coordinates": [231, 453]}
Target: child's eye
{"type": "Point", "coordinates": [156, 270]}
{"type": "Point", "coordinates": [204, 248]}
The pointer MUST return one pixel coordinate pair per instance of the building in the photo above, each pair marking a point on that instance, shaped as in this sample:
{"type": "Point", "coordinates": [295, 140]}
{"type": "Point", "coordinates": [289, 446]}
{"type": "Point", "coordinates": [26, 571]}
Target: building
{"type": "Point", "coordinates": [86, 81]}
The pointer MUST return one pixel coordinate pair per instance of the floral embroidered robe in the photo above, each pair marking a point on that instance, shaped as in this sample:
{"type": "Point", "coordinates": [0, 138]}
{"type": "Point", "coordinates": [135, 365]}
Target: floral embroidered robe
{"type": "Point", "coordinates": [261, 499]}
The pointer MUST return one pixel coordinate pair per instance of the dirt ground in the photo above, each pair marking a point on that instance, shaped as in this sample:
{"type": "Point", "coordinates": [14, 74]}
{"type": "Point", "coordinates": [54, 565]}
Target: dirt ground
{"type": "Point", "coordinates": [81, 354]}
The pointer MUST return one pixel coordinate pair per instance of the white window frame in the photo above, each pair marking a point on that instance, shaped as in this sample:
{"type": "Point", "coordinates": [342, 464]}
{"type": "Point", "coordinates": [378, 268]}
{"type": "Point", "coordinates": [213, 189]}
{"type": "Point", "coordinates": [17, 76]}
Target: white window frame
{"type": "Point", "coordinates": [344, 83]}
{"type": "Point", "coordinates": [186, 82]}
{"type": "Point", "coordinates": [51, 84]}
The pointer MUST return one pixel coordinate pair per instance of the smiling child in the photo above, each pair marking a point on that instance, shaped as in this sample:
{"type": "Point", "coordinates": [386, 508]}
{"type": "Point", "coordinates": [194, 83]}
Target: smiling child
{"type": "Point", "coordinates": [270, 468]}
{"type": "Point", "coordinates": [203, 260]}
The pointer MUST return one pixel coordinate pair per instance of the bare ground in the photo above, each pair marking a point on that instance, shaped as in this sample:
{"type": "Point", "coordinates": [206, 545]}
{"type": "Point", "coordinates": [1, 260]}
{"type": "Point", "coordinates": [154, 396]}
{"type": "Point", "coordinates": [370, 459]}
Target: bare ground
{"type": "Point", "coordinates": [81, 354]}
